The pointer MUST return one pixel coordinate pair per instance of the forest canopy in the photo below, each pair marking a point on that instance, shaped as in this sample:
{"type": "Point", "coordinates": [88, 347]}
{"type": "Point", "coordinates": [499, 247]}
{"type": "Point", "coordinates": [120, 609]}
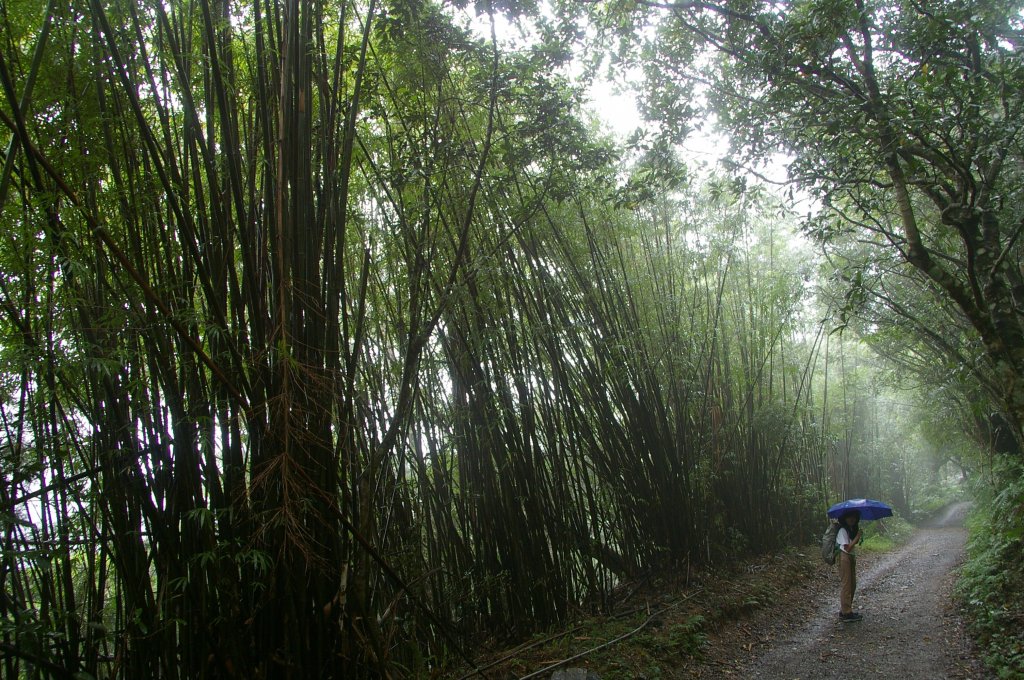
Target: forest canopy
{"type": "Point", "coordinates": [901, 118]}
{"type": "Point", "coordinates": [336, 338]}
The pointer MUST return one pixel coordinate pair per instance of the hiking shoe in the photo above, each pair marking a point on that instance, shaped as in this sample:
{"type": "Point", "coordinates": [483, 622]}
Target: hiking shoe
{"type": "Point", "coordinates": [852, 616]}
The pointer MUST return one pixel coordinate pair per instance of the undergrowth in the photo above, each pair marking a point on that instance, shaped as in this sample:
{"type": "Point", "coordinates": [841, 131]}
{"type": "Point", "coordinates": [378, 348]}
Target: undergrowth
{"type": "Point", "coordinates": [885, 535]}
{"type": "Point", "coordinates": [661, 630]}
{"type": "Point", "coordinates": [666, 628]}
{"type": "Point", "coordinates": [992, 579]}
{"type": "Point", "coordinates": [936, 498]}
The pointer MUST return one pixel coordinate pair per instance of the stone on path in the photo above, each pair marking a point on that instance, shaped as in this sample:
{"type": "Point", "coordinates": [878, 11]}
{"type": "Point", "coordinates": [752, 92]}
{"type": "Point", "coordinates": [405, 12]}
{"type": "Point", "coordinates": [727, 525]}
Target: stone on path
{"type": "Point", "coordinates": [574, 674]}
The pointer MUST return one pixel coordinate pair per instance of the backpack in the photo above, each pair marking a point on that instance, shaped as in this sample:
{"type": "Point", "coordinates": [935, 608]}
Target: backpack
{"type": "Point", "coordinates": [828, 543]}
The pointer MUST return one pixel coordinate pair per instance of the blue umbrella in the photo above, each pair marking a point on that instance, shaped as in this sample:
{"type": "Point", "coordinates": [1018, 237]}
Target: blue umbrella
{"type": "Point", "coordinates": [867, 508]}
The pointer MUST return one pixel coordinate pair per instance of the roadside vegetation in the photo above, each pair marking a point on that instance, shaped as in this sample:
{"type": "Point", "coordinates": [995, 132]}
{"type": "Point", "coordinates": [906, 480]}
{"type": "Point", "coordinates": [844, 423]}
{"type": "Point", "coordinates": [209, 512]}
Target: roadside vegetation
{"type": "Point", "coordinates": [660, 628]}
{"type": "Point", "coordinates": [886, 535]}
{"type": "Point", "coordinates": [992, 581]}
{"type": "Point", "coordinates": [337, 339]}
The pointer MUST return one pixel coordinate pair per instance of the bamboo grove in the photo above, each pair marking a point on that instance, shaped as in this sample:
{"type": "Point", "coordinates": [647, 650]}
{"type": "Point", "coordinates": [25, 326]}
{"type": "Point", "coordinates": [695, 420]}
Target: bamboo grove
{"type": "Point", "coordinates": [334, 343]}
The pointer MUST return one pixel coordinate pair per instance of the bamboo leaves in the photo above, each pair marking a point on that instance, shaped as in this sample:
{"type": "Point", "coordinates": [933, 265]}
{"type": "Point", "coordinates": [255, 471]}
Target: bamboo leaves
{"type": "Point", "coordinates": [334, 311]}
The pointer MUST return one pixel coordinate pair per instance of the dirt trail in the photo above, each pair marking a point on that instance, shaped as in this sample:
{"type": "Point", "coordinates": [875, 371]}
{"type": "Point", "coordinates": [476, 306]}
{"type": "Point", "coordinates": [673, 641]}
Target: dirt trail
{"type": "Point", "coordinates": [910, 629]}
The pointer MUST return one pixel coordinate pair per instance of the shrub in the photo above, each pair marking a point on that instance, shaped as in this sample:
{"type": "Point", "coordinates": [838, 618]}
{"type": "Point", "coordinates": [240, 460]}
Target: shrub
{"type": "Point", "coordinates": [993, 577]}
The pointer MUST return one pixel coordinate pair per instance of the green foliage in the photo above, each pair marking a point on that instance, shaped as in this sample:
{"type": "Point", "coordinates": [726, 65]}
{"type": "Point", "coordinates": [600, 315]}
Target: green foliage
{"type": "Point", "coordinates": [885, 535]}
{"type": "Point", "coordinates": [992, 580]}
{"type": "Point", "coordinates": [685, 638]}
{"type": "Point", "coordinates": [933, 499]}
{"type": "Point", "coordinates": [353, 322]}
{"type": "Point", "coordinates": [869, 100]}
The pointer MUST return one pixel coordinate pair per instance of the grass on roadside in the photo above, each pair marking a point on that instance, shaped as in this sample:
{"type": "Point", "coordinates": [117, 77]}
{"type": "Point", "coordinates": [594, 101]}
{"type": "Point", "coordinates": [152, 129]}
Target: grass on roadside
{"type": "Point", "coordinates": [885, 535]}
{"type": "Point", "coordinates": [667, 627]}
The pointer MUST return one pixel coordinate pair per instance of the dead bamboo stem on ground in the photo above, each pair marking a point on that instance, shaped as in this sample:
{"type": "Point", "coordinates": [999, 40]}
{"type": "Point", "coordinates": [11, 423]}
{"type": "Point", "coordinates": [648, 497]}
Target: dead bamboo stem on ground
{"type": "Point", "coordinates": [611, 642]}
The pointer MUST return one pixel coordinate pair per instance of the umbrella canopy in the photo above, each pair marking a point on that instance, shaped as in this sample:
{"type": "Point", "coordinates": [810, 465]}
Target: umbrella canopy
{"type": "Point", "coordinates": [868, 509]}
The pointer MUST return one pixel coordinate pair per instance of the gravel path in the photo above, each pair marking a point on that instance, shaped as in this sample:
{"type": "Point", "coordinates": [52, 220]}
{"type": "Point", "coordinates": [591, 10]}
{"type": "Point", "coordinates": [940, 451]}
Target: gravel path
{"type": "Point", "coordinates": [910, 631]}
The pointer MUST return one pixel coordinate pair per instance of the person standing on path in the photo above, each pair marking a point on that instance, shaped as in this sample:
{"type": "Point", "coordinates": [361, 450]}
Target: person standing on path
{"type": "Point", "coordinates": [847, 538]}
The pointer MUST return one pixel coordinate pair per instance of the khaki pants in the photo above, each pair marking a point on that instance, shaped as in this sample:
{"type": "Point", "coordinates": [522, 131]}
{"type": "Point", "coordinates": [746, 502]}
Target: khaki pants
{"type": "Point", "coordinates": [848, 581]}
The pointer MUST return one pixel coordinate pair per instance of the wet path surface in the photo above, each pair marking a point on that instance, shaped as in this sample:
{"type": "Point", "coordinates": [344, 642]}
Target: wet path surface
{"type": "Point", "coordinates": [910, 631]}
